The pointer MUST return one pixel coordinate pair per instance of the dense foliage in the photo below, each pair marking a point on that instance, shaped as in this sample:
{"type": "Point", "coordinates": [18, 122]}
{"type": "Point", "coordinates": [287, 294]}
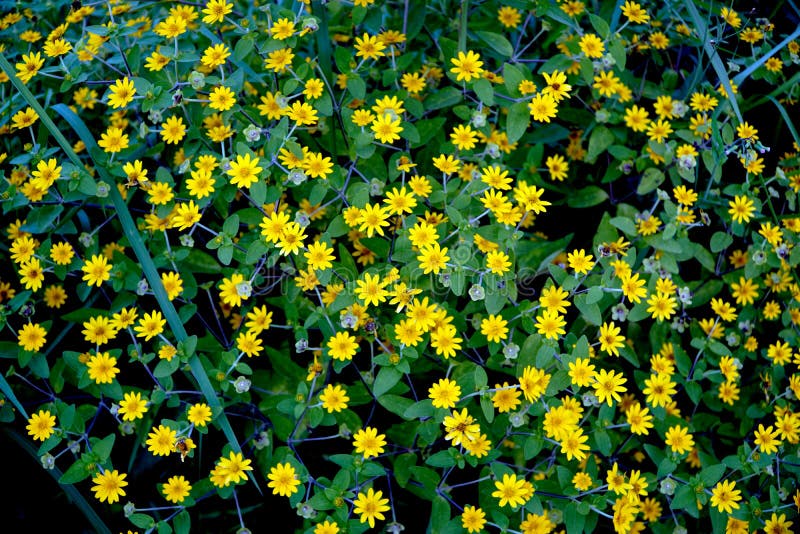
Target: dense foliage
{"type": "Point", "coordinates": [517, 266]}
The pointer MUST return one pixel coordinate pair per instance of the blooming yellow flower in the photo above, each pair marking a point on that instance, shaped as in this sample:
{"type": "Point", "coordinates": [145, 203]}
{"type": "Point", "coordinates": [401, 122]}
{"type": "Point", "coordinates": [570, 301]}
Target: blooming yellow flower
{"type": "Point", "coordinates": [41, 425]}
{"type": "Point", "coordinates": [466, 66]}
{"type": "Point", "coordinates": [283, 480]}
{"type": "Point", "coordinates": [121, 93]}
{"type": "Point", "coordinates": [370, 506]}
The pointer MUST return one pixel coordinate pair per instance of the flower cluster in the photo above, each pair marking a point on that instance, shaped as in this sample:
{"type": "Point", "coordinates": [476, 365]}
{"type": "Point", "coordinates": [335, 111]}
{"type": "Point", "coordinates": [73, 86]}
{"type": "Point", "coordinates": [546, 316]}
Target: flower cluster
{"type": "Point", "coordinates": [527, 268]}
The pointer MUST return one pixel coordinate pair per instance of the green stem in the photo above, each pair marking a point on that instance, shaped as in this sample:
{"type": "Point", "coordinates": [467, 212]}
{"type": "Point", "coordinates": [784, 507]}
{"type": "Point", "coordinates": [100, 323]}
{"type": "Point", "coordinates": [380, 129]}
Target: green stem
{"type": "Point", "coordinates": [462, 27]}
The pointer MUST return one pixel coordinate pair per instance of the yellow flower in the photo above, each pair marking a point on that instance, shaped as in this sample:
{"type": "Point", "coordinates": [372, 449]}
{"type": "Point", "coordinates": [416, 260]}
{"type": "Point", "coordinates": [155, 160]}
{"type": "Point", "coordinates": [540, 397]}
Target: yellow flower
{"type": "Point", "coordinates": [279, 59]}
{"type": "Point", "coordinates": [215, 55]}
{"type": "Point", "coordinates": [150, 325]}
{"type": "Point", "coordinates": [432, 259]}
{"type": "Point", "coordinates": [635, 13]}
{"type": "Point", "coordinates": [741, 208]}
{"type": "Point", "coordinates": [342, 346]}
{"type": "Point", "coordinates": [282, 29]}
{"type": "Point", "coordinates": [510, 491]}
{"type": "Point", "coordinates": [473, 519]}
{"type": "Point", "coordinates": [132, 406]}
{"type": "Point", "coordinates": [216, 10]}
{"type": "Point", "coordinates": [96, 270]}
{"type": "Point", "coordinates": [176, 489]}
{"type": "Point", "coordinates": [608, 385]}
{"type": "Point", "coordinates": [592, 46]}
{"type": "Point", "coordinates": [41, 425]}
{"type": "Point", "coordinates": [444, 393]}
{"type": "Point", "coordinates": [108, 486]}
{"type": "Point", "coordinates": [466, 66]}
{"type": "Point", "coordinates": [302, 113]}
{"type": "Point", "coordinates": [509, 17]}
{"type": "Point", "coordinates": [113, 140]}
{"type": "Point", "coordinates": [543, 107]}
{"type": "Point", "coordinates": [386, 129]}
{"type": "Point", "coordinates": [121, 93]}
{"type": "Point", "coordinates": [199, 414]}
{"type": "Point", "coordinates": [244, 171]}
{"type": "Point", "coordinates": [221, 98]}
{"type": "Point", "coordinates": [102, 368]}
{"type": "Point", "coordinates": [29, 66]}
{"type": "Point", "coordinates": [231, 469]}
{"type": "Point", "coordinates": [369, 47]}
{"type": "Point", "coordinates": [370, 506]}
{"type": "Point", "coordinates": [283, 480]}
{"type": "Point", "coordinates": [334, 398]}
{"type": "Point", "coordinates": [725, 497]}
{"type": "Point", "coordinates": [679, 439]}
{"type": "Point", "coordinates": [368, 442]}
{"type": "Point", "coordinates": [533, 383]}
{"type": "Point", "coordinates": [610, 338]}
{"type": "Point", "coordinates": [173, 130]}
{"type": "Point", "coordinates": [31, 274]}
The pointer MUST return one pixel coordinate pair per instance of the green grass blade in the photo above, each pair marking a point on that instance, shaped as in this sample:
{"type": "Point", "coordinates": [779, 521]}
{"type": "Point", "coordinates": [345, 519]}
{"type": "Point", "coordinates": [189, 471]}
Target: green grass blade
{"type": "Point", "coordinates": [151, 273]}
{"type": "Point", "coordinates": [713, 56]}
{"type": "Point", "coordinates": [74, 495]}
{"type": "Point", "coordinates": [9, 394]}
{"type": "Point", "coordinates": [786, 119]}
{"type": "Point", "coordinates": [134, 238]}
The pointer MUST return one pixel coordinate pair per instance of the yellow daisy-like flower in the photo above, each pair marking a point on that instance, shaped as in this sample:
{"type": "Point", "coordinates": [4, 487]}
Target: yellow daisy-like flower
{"type": "Point", "coordinates": [386, 128]}
{"type": "Point", "coordinates": [96, 270]}
{"type": "Point", "coordinates": [283, 480]}
{"type": "Point", "coordinates": [108, 486]}
{"type": "Point", "coordinates": [466, 66]}
{"type": "Point", "coordinates": [173, 130]}
{"type": "Point", "coordinates": [370, 506]}
{"type": "Point", "coordinates": [121, 93]}
{"type": "Point", "coordinates": [369, 47]}
{"type": "Point", "coordinates": [221, 98]}
{"type": "Point", "coordinates": [368, 442]}
{"type": "Point", "coordinates": [41, 425]}
{"type": "Point", "coordinates": [244, 172]}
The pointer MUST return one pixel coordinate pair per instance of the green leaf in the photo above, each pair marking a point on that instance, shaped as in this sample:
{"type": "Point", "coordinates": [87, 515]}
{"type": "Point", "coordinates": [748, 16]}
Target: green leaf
{"type": "Point", "coordinates": [42, 218]}
{"type": "Point", "coordinates": [142, 520]}
{"type": "Point", "coordinates": [103, 447]}
{"type": "Point", "coordinates": [625, 224]}
{"type": "Point", "coordinates": [481, 378]}
{"type": "Point", "coordinates": [603, 442]}
{"type": "Point", "coordinates": [711, 475]}
{"type": "Point", "coordinates": [182, 523]}
{"type": "Point", "coordinates": [512, 76]}
{"type": "Point", "coordinates": [75, 473]}
{"type": "Point", "coordinates": [499, 44]}
{"type": "Point", "coordinates": [483, 88]}
{"type": "Point", "coordinates": [444, 98]}
{"type": "Point", "coordinates": [587, 197]}
{"type": "Point", "coordinates": [599, 141]}
{"type": "Point", "coordinates": [600, 25]}
{"type": "Point", "coordinates": [440, 514]}
{"type": "Point", "coordinates": [395, 403]}
{"type": "Point", "coordinates": [487, 408]}
{"type": "Point", "coordinates": [651, 179]}
{"type": "Point", "coordinates": [357, 87]}
{"type": "Point", "coordinates": [589, 312]}
{"type": "Point", "coordinates": [386, 379]}
{"type": "Point", "coordinates": [441, 459]}
{"type": "Point", "coordinates": [423, 408]}
{"type": "Point", "coordinates": [517, 122]}
{"type": "Point", "coordinates": [720, 241]}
